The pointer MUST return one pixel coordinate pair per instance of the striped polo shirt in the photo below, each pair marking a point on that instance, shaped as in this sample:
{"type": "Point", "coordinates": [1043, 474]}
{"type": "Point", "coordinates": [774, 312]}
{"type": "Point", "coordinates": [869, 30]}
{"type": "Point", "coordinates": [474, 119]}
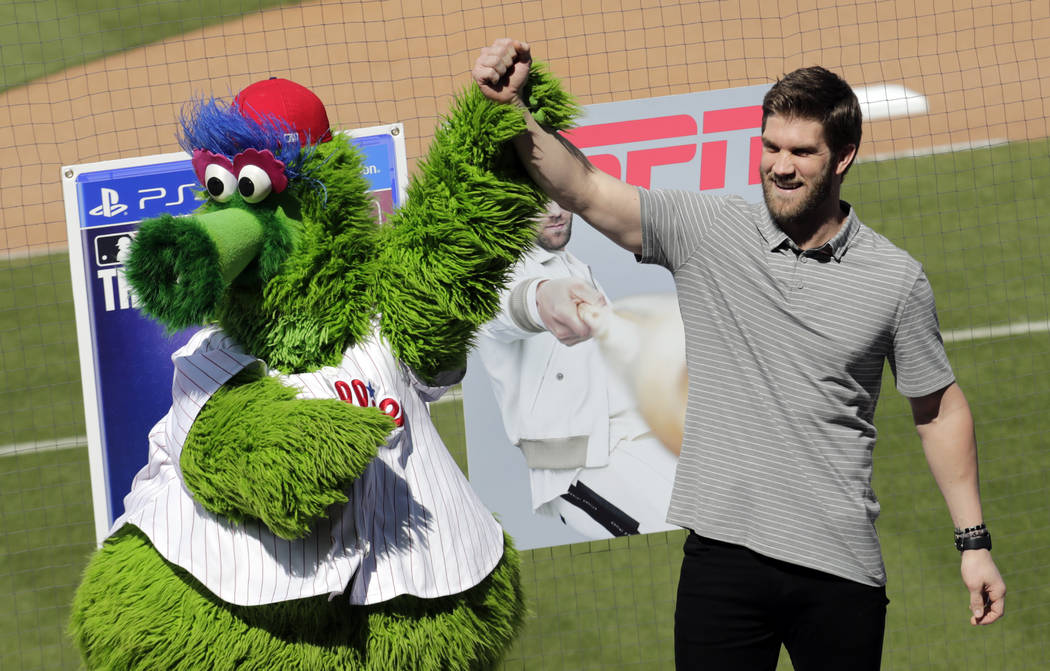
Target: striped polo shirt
{"type": "Point", "coordinates": [785, 351]}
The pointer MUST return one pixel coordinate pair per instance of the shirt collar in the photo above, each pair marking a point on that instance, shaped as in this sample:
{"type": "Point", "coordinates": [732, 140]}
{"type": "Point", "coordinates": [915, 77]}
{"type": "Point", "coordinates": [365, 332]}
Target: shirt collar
{"type": "Point", "coordinates": [544, 256]}
{"type": "Point", "coordinates": [776, 238]}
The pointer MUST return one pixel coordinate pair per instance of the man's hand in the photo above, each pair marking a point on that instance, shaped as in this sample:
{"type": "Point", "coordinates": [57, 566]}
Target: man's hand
{"type": "Point", "coordinates": [502, 69]}
{"type": "Point", "coordinates": [558, 303]}
{"type": "Point", "coordinates": [987, 589]}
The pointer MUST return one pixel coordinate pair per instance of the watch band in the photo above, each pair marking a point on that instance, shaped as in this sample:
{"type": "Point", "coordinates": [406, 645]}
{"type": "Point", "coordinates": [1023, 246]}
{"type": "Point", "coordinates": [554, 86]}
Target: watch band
{"type": "Point", "coordinates": [978, 539]}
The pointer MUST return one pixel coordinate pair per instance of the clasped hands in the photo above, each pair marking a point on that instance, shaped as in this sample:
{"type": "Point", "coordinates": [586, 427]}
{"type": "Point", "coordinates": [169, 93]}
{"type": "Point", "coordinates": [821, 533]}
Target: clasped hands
{"type": "Point", "coordinates": [558, 302]}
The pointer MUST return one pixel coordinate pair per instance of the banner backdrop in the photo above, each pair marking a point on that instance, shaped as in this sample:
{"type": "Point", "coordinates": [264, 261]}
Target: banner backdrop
{"type": "Point", "coordinates": [125, 362]}
{"type": "Point", "coordinates": [708, 141]}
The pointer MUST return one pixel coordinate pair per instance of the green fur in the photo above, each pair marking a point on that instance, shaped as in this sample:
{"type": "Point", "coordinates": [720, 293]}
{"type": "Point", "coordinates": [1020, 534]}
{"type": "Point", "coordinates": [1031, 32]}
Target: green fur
{"type": "Point", "coordinates": [318, 305]}
{"type": "Point", "coordinates": [310, 302]}
{"type": "Point", "coordinates": [164, 619]}
{"type": "Point", "coordinates": [257, 452]}
{"type": "Point", "coordinates": [467, 220]}
{"type": "Point", "coordinates": [174, 268]}
{"type": "Point", "coordinates": [324, 272]}
{"type": "Point", "coordinates": [550, 104]}
{"type": "Point", "coordinates": [326, 268]}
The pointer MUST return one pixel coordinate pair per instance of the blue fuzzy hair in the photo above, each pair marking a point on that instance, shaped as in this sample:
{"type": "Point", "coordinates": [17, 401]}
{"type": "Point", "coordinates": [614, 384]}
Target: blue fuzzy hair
{"type": "Point", "coordinates": [223, 129]}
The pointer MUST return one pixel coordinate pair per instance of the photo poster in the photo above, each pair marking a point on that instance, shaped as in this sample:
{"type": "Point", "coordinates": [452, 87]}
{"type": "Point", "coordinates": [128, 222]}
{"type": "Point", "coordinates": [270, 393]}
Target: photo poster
{"type": "Point", "coordinates": [125, 359]}
{"type": "Point", "coordinates": [708, 141]}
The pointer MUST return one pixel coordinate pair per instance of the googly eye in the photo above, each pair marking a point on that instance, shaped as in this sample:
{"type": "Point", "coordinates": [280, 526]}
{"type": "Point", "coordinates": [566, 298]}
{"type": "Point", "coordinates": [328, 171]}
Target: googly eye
{"type": "Point", "coordinates": [254, 184]}
{"type": "Point", "coordinates": [220, 182]}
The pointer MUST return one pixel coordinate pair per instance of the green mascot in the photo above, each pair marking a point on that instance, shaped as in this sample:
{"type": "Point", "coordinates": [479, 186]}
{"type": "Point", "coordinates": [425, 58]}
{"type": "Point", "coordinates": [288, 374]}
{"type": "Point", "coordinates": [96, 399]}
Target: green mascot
{"type": "Point", "coordinates": [298, 509]}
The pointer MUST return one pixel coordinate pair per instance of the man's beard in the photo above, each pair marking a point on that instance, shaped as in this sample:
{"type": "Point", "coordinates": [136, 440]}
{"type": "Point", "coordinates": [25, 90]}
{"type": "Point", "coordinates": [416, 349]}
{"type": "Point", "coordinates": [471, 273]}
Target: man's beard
{"type": "Point", "coordinates": [557, 241]}
{"type": "Point", "coordinates": [796, 216]}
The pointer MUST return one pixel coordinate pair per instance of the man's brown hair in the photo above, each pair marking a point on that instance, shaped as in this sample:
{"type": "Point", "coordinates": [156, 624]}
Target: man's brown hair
{"type": "Point", "coordinates": [820, 95]}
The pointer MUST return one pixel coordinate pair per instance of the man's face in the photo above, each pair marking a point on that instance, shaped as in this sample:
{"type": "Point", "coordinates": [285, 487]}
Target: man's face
{"type": "Point", "coordinates": [798, 170]}
{"type": "Point", "coordinates": [555, 228]}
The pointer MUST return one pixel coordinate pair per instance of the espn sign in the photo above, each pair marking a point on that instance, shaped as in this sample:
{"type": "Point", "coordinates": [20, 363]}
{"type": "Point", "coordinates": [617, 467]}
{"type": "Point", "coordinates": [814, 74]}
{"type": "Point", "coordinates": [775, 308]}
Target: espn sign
{"type": "Point", "coordinates": [704, 141]}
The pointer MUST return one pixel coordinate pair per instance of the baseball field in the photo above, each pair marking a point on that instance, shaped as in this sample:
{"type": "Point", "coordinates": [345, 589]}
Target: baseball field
{"type": "Point", "coordinates": [965, 188]}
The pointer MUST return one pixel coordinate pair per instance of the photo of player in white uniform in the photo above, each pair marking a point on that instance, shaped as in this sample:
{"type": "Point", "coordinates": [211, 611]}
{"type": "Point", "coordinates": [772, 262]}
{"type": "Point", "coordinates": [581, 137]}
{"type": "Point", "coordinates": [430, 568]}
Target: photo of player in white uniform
{"type": "Point", "coordinates": [594, 462]}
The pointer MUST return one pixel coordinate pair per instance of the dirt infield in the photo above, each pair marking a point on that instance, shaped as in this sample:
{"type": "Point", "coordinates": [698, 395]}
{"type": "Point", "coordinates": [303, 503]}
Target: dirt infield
{"type": "Point", "coordinates": [984, 68]}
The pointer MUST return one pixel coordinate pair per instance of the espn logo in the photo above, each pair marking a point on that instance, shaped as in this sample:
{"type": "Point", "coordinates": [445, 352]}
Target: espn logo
{"type": "Point", "coordinates": [637, 167]}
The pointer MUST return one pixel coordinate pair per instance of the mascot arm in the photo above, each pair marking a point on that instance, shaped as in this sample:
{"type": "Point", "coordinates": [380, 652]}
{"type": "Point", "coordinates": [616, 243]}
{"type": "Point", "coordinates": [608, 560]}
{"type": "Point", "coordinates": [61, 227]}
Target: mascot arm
{"type": "Point", "coordinates": [469, 216]}
{"type": "Point", "coordinates": [257, 451]}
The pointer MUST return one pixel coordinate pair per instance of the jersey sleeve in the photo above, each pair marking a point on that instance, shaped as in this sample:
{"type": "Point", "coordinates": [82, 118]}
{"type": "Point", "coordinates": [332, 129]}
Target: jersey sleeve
{"type": "Point", "coordinates": [208, 361]}
{"type": "Point", "coordinates": [918, 359]}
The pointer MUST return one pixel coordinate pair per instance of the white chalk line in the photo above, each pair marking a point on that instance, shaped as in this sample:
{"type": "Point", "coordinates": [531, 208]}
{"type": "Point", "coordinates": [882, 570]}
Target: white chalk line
{"type": "Point", "coordinates": [956, 336]}
{"type": "Point", "coordinates": [1003, 331]}
{"type": "Point", "coordinates": [50, 445]}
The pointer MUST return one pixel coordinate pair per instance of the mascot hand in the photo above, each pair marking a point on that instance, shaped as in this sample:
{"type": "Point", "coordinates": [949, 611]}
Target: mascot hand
{"type": "Point", "coordinates": [256, 451]}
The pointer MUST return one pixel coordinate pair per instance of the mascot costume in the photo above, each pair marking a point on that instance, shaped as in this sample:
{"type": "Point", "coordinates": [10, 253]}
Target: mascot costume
{"type": "Point", "coordinates": [298, 509]}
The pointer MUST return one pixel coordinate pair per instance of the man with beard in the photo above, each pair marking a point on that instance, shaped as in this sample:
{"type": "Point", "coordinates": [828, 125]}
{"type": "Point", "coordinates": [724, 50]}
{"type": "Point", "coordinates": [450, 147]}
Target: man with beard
{"type": "Point", "coordinates": [593, 461]}
{"type": "Point", "coordinates": [791, 307]}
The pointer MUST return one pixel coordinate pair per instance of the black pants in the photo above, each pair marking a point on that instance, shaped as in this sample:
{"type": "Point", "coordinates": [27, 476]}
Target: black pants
{"type": "Point", "coordinates": [735, 608]}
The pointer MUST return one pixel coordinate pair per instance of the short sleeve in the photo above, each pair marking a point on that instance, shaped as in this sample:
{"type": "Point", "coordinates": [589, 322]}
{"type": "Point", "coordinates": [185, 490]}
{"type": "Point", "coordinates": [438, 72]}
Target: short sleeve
{"type": "Point", "coordinates": [208, 361]}
{"type": "Point", "coordinates": [918, 359]}
{"type": "Point", "coordinates": [674, 224]}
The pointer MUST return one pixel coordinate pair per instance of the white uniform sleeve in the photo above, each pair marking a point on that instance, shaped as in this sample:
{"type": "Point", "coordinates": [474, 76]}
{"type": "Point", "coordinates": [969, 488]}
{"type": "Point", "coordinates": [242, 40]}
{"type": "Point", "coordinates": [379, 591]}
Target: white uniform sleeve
{"type": "Point", "coordinates": [208, 361]}
{"type": "Point", "coordinates": [518, 316]}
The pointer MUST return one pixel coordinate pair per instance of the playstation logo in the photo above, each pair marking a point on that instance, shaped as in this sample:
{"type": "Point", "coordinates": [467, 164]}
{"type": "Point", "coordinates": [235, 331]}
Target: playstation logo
{"type": "Point", "coordinates": [111, 205]}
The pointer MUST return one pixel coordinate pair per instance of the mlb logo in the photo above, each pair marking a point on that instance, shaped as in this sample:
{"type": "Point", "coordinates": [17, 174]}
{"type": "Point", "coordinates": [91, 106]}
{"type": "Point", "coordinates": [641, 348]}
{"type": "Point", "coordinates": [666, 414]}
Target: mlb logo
{"type": "Point", "coordinates": [111, 249]}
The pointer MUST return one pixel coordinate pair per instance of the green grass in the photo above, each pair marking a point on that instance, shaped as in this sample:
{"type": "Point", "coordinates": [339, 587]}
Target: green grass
{"type": "Point", "coordinates": [46, 536]}
{"type": "Point", "coordinates": [1007, 385]}
{"type": "Point", "coordinates": [977, 222]}
{"type": "Point", "coordinates": [971, 217]}
{"type": "Point", "coordinates": [39, 38]}
{"type": "Point", "coordinates": [40, 392]}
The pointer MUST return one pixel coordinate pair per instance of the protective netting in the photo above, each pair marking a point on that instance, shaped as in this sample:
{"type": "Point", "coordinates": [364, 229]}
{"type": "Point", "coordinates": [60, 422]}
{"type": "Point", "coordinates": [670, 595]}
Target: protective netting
{"type": "Point", "coordinates": [954, 168]}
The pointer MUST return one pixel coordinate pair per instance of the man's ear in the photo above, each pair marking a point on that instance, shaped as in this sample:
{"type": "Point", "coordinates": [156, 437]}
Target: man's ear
{"type": "Point", "coordinates": [845, 159]}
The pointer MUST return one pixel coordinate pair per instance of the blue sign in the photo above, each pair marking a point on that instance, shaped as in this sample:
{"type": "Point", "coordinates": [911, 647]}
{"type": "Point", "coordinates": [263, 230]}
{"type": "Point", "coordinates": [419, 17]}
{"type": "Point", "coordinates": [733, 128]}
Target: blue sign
{"type": "Point", "coordinates": [380, 159]}
{"type": "Point", "coordinates": [132, 194]}
{"type": "Point", "coordinates": [131, 360]}
{"type": "Point", "coordinates": [126, 358]}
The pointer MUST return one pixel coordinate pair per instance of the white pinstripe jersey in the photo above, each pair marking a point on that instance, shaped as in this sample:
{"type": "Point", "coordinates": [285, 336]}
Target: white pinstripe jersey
{"type": "Point", "coordinates": [413, 524]}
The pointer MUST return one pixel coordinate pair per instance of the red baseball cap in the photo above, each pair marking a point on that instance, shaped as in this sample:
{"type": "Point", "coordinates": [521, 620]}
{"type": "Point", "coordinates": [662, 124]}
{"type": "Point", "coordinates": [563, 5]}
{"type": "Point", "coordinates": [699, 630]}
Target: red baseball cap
{"type": "Point", "coordinates": [292, 103]}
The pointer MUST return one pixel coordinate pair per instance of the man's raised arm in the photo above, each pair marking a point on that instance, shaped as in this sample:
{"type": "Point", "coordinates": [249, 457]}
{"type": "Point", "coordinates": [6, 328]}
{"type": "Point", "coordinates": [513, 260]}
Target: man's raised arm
{"type": "Point", "coordinates": [565, 174]}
